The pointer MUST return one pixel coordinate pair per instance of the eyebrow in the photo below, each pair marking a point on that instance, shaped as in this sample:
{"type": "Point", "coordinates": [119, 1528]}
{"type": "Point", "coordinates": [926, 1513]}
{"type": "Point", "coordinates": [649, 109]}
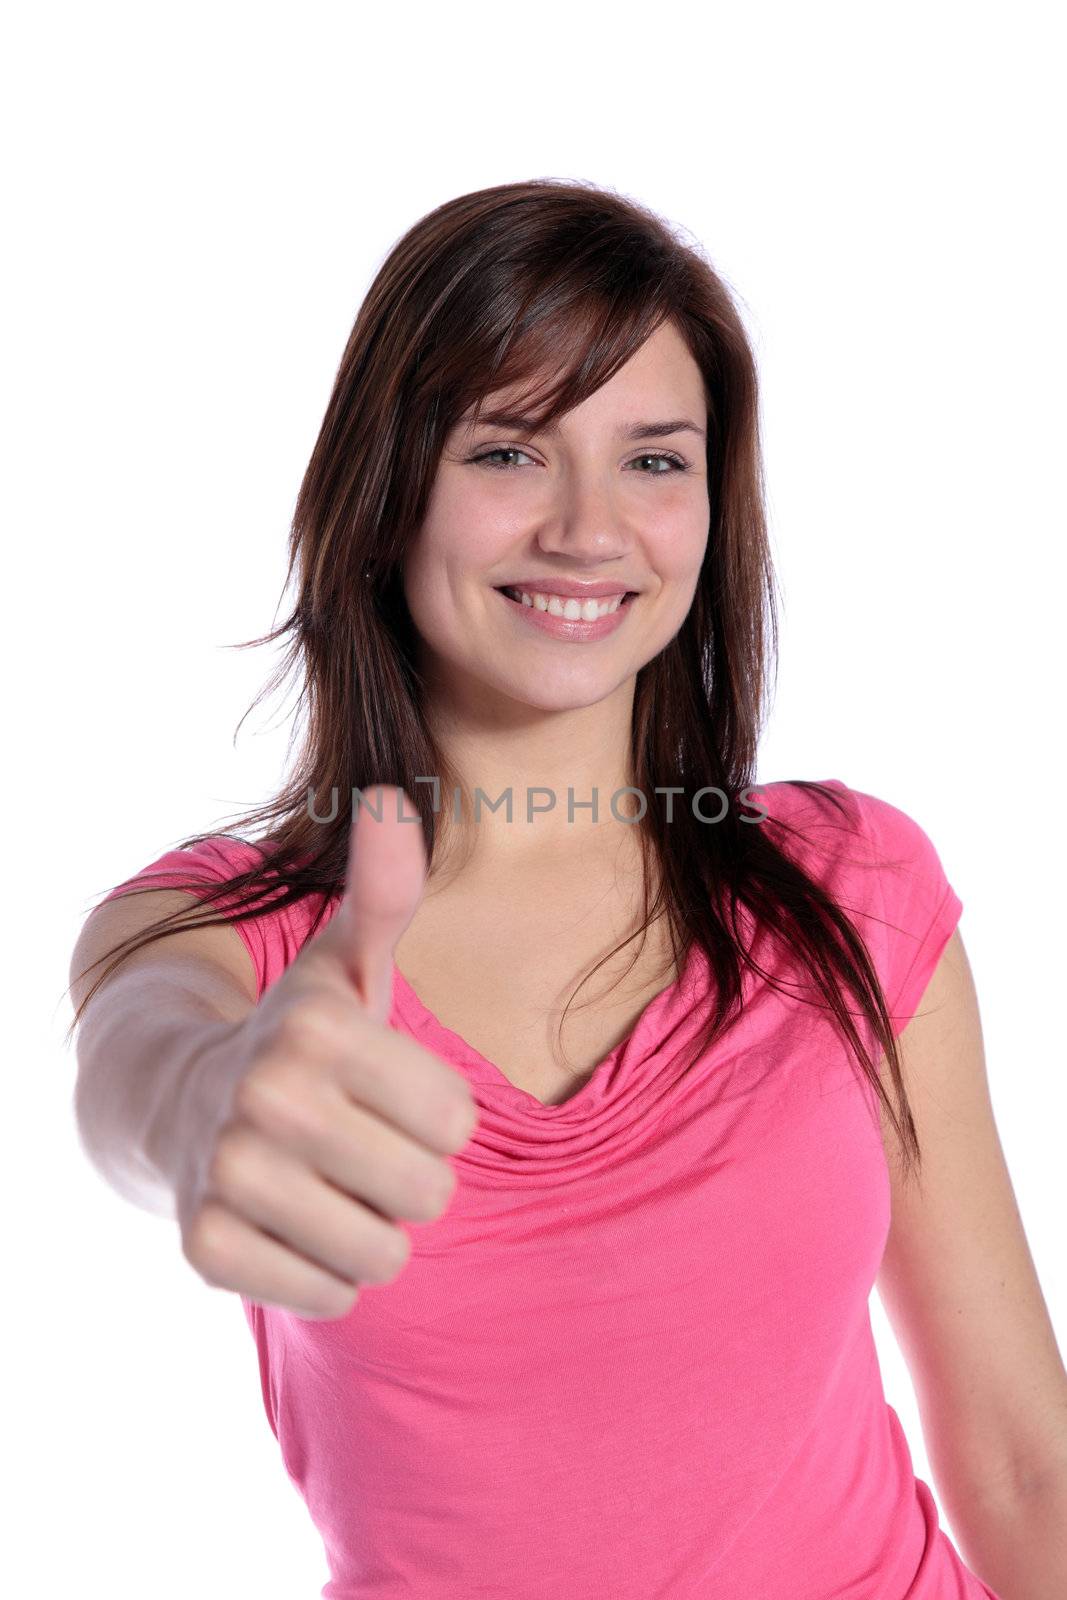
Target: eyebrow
{"type": "Point", "coordinates": [513, 420]}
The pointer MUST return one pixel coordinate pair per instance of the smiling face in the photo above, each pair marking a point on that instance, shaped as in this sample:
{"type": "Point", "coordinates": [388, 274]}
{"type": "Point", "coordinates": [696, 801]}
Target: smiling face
{"type": "Point", "coordinates": [603, 500]}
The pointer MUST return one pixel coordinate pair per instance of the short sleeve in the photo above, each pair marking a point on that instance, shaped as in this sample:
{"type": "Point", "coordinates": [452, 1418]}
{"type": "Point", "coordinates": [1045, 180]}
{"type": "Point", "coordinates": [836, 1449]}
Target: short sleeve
{"type": "Point", "coordinates": [272, 940]}
{"type": "Point", "coordinates": [880, 868]}
{"type": "Point", "coordinates": [916, 907]}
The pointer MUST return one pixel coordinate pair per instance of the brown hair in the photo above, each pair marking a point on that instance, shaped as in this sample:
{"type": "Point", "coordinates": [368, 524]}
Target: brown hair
{"type": "Point", "coordinates": [493, 289]}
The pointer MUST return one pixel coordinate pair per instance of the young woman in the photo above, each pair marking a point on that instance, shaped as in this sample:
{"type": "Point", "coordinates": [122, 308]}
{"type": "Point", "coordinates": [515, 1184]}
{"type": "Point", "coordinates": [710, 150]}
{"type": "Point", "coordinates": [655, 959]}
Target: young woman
{"type": "Point", "coordinates": [551, 1296]}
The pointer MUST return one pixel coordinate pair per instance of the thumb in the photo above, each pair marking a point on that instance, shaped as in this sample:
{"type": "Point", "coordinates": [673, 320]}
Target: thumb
{"type": "Point", "coordinates": [384, 883]}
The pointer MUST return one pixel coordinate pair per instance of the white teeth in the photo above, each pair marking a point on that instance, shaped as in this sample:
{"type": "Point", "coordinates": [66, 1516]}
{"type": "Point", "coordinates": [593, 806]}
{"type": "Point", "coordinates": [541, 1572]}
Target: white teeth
{"type": "Point", "coordinates": [573, 610]}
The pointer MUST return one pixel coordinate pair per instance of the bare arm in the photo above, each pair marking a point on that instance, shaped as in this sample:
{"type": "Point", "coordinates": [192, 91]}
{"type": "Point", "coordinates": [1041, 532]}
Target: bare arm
{"type": "Point", "coordinates": [961, 1290]}
{"type": "Point", "coordinates": [290, 1137]}
{"type": "Point", "coordinates": [141, 1034]}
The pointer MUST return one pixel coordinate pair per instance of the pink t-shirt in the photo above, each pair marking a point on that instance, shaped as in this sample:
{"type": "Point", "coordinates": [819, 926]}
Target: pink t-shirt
{"type": "Point", "coordinates": [634, 1358]}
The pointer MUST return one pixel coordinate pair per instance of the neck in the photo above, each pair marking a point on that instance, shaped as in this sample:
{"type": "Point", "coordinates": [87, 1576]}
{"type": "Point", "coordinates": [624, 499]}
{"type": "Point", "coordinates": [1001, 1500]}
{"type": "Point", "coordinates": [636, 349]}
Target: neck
{"type": "Point", "coordinates": [553, 763]}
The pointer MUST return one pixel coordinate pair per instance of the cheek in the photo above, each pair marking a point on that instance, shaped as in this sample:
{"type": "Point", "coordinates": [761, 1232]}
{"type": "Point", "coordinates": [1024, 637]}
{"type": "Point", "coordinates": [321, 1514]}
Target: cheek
{"type": "Point", "coordinates": [429, 600]}
{"type": "Point", "coordinates": [441, 564]}
{"type": "Point", "coordinates": [462, 535]}
{"type": "Point", "coordinates": [676, 548]}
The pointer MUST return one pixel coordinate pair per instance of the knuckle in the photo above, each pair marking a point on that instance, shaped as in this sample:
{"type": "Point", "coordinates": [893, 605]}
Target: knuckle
{"type": "Point", "coordinates": [309, 1025]}
{"type": "Point", "coordinates": [260, 1091]}
{"type": "Point", "coordinates": [295, 1031]}
{"type": "Point", "coordinates": [279, 1099]}
{"type": "Point", "coordinates": [232, 1162]}
{"type": "Point", "coordinates": [367, 1069]}
{"type": "Point", "coordinates": [205, 1244]}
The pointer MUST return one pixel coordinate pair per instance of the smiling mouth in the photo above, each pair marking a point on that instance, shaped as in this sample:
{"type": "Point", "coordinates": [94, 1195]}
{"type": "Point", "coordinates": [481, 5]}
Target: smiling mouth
{"type": "Point", "coordinates": [556, 605]}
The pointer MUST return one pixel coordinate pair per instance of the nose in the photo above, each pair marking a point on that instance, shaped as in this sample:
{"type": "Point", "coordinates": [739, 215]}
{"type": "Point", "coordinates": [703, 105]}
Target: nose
{"type": "Point", "coordinates": [585, 524]}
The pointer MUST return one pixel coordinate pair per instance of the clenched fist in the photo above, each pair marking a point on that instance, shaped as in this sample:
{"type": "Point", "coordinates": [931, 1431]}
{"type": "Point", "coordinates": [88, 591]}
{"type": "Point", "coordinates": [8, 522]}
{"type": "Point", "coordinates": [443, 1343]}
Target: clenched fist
{"type": "Point", "coordinates": [314, 1126]}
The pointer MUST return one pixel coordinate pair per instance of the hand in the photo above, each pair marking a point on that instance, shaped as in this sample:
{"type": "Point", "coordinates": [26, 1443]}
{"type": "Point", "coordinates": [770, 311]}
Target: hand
{"type": "Point", "coordinates": [316, 1126]}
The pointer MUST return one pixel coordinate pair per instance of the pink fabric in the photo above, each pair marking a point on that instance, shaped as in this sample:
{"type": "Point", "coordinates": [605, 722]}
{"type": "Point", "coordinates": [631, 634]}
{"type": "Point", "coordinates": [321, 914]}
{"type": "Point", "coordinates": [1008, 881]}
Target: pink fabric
{"type": "Point", "coordinates": [634, 1358]}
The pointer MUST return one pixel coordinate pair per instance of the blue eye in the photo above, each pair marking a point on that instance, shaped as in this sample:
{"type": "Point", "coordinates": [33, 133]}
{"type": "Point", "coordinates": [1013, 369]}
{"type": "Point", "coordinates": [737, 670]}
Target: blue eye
{"type": "Point", "coordinates": [663, 455]}
{"type": "Point", "coordinates": [674, 462]}
{"type": "Point", "coordinates": [506, 450]}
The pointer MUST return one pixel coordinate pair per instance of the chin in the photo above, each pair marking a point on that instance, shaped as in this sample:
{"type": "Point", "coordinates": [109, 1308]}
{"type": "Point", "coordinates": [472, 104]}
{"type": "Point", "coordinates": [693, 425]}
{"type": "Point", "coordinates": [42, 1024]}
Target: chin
{"type": "Point", "coordinates": [565, 692]}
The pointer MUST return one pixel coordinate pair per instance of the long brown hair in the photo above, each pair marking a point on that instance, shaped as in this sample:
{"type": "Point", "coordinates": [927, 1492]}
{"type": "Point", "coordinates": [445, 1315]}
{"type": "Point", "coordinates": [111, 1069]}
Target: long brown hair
{"type": "Point", "coordinates": [493, 289]}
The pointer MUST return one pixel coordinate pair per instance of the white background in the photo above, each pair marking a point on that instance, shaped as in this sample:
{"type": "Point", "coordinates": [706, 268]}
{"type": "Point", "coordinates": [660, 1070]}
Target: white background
{"type": "Point", "coordinates": [197, 198]}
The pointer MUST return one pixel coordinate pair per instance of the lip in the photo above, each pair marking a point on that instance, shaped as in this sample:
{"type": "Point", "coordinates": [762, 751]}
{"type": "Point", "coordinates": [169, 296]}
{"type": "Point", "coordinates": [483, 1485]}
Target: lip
{"type": "Point", "coordinates": [576, 632]}
{"type": "Point", "coordinates": [569, 588]}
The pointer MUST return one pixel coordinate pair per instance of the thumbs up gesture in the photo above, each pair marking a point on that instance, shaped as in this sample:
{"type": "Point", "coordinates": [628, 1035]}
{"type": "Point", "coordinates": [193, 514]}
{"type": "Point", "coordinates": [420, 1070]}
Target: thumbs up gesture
{"type": "Point", "coordinates": [313, 1127]}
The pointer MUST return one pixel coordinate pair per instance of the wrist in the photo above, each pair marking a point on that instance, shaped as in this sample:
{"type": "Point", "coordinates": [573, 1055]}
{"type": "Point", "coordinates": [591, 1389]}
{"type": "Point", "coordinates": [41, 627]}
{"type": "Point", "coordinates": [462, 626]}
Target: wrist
{"type": "Point", "coordinates": [198, 1093]}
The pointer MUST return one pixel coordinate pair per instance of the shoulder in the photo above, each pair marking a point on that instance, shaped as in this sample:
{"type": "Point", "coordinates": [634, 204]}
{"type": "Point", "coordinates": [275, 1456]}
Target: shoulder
{"type": "Point", "coordinates": [211, 859]}
{"type": "Point", "coordinates": [273, 937]}
{"type": "Point", "coordinates": [880, 866]}
{"type": "Point", "coordinates": [850, 828]}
